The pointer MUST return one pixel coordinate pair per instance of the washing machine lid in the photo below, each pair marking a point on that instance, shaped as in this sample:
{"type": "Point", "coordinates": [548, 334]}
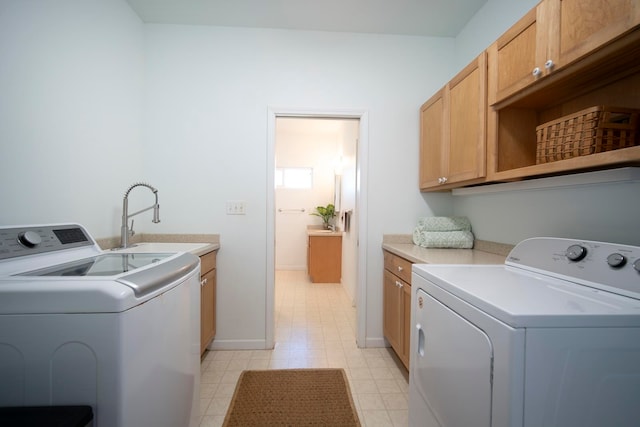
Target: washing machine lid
{"type": "Point", "coordinates": [108, 264]}
{"type": "Point", "coordinates": [106, 283]}
{"type": "Point", "coordinates": [521, 298]}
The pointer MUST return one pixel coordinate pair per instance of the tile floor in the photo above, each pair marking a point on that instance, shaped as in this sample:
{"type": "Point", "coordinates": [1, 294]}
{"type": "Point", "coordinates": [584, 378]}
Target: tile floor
{"type": "Point", "coordinates": [315, 328]}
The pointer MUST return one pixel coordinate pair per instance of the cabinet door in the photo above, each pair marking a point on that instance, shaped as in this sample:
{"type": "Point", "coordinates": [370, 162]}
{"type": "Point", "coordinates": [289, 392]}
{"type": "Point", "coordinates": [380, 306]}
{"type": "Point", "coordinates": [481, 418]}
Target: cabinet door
{"type": "Point", "coordinates": [577, 27]}
{"type": "Point", "coordinates": [465, 153]}
{"type": "Point", "coordinates": [432, 140]}
{"type": "Point", "coordinates": [392, 311]}
{"type": "Point", "coordinates": [207, 309]}
{"type": "Point", "coordinates": [517, 53]}
{"type": "Point", "coordinates": [453, 130]}
{"type": "Point", "coordinates": [325, 259]}
{"type": "Point", "coordinates": [406, 319]}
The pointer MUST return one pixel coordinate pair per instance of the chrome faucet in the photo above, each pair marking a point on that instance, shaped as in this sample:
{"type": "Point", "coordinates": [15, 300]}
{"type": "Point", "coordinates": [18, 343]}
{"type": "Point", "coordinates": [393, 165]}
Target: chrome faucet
{"type": "Point", "coordinates": [125, 231]}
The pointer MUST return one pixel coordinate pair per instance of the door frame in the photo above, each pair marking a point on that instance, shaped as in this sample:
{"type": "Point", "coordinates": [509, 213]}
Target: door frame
{"type": "Point", "coordinates": [361, 204]}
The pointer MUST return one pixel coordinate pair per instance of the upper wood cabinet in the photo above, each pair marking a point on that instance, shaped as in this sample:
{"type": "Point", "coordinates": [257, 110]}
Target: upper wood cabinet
{"type": "Point", "coordinates": [432, 141]}
{"type": "Point", "coordinates": [553, 35]}
{"type": "Point", "coordinates": [453, 131]}
{"type": "Point", "coordinates": [597, 62]}
{"type": "Point", "coordinates": [516, 54]}
{"type": "Point", "coordinates": [562, 57]}
{"type": "Point", "coordinates": [578, 27]}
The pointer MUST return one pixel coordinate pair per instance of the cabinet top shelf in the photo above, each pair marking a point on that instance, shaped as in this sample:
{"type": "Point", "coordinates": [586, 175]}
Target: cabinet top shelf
{"type": "Point", "coordinates": [624, 156]}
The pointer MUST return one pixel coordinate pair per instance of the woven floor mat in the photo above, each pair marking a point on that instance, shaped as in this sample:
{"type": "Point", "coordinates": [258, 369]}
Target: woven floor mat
{"type": "Point", "coordinates": [292, 397]}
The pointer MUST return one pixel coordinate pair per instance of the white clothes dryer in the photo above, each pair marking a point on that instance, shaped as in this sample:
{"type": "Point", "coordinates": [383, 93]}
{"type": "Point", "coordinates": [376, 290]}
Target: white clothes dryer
{"type": "Point", "coordinates": [80, 326]}
{"type": "Point", "coordinates": [551, 338]}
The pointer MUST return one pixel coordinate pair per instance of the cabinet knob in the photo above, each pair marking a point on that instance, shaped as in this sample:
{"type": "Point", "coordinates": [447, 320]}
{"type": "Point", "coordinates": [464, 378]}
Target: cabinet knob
{"type": "Point", "coordinates": [549, 64]}
{"type": "Point", "coordinates": [537, 72]}
{"type": "Point", "coordinates": [444, 180]}
{"type": "Point", "coordinates": [398, 284]}
{"type": "Point", "coordinates": [203, 282]}
{"type": "Point", "coordinates": [400, 268]}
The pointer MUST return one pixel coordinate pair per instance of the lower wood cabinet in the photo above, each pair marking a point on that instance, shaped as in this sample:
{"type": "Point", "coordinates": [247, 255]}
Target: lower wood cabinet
{"type": "Point", "coordinates": [324, 259]}
{"type": "Point", "coordinates": [207, 299]}
{"type": "Point", "coordinates": [396, 316]}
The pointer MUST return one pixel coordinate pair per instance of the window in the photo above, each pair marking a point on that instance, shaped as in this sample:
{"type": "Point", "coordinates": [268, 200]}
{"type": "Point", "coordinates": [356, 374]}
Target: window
{"type": "Point", "coordinates": [294, 177]}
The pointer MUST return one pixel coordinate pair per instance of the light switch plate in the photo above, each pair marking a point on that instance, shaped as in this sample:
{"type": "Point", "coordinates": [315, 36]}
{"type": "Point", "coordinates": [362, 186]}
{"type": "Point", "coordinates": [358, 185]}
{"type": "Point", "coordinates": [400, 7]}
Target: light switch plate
{"type": "Point", "coordinates": [236, 207]}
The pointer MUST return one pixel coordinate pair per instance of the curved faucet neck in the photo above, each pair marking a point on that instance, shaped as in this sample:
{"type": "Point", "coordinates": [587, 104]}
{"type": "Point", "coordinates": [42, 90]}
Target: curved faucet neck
{"type": "Point", "coordinates": [125, 231]}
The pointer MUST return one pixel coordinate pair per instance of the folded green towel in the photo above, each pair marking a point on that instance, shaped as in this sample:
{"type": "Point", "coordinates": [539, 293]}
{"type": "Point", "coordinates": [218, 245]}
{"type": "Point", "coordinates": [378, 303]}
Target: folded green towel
{"type": "Point", "coordinates": [444, 223]}
{"type": "Point", "coordinates": [460, 239]}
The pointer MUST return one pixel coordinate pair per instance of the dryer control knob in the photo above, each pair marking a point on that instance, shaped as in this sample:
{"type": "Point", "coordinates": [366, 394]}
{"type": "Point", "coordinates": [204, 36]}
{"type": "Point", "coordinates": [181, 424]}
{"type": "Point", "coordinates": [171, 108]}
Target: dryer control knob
{"type": "Point", "coordinates": [29, 239]}
{"type": "Point", "coordinates": [616, 260]}
{"type": "Point", "coordinates": [636, 265]}
{"type": "Point", "coordinates": [576, 252]}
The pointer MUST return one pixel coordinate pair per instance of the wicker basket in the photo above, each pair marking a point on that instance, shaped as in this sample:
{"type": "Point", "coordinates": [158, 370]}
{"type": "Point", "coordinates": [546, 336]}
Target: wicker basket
{"type": "Point", "coordinates": [589, 131]}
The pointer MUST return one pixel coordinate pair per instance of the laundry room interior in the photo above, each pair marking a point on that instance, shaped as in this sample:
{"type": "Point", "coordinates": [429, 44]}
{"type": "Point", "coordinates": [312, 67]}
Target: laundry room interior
{"type": "Point", "coordinates": [482, 163]}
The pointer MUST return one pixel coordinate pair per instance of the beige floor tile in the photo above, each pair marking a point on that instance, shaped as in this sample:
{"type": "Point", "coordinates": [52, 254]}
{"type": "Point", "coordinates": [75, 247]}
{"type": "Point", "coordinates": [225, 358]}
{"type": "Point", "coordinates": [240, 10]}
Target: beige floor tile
{"type": "Point", "coordinates": [387, 386]}
{"type": "Point", "coordinates": [279, 364]}
{"type": "Point", "coordinates": [364, 386]}
{"type": "Point", "coordinates": [381, 374]}
{"type": "Point", "coordinates": [217, 366]}
{"type": "Point", "coordinates": [225, 390]}
{"type": "Point", "coordinates": [370, 401]}
{"type": "Point", "coordinates": [207, 390]}
{"type": "Point", "coordinates": [230, 377]}
{"type": "Point", "coordinates": [212, 421]}
{"type": "Point", "coordinates": [376, 418]}
{"type": "Point", "coordinates": [399, 418]}
{"type": "Point", "coordinates": [238, 365]}
{"type": "Point", "coordinates": [395, 401]}
{"type": "Point", "coordinates": [360, 373]}
{"type": "Point", "coordinates": [211, 377]}
{"type": "Point", "coordinates": [258, 364]}
{"type": "Point", "coordinates": [218, 406]}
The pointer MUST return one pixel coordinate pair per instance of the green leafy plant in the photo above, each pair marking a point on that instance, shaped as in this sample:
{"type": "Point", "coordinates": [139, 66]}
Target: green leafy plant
{"type": "Point", "coordinates": [326, 213]}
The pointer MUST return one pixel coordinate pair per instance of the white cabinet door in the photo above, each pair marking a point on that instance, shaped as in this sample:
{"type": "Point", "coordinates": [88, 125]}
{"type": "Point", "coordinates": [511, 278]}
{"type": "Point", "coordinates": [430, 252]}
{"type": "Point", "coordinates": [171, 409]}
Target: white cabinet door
{"type": "Point", "coordinates": [451, 365]}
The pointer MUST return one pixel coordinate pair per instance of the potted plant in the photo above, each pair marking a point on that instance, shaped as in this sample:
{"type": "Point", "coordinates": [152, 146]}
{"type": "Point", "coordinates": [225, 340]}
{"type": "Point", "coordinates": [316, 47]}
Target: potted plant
{"type": "Point", "coordinates": [326, 213]}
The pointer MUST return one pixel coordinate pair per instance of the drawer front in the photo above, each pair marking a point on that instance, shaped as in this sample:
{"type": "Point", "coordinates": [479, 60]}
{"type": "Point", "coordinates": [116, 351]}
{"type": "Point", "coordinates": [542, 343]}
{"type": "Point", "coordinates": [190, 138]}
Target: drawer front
{"type": "Point", "coordinates": [207, 262]}
{"type": "Point", "coordinates": [398, 266]}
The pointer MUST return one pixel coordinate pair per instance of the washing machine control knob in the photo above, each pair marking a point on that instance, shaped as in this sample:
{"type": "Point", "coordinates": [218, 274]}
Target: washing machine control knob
{"type": "Point", "coordinates": [636, 265]}
{"type": "Point", "coordinates": [576, 252]}
{"type": "Point", "coordinates": [29, 239]}
{"type": "Point", "coordinates": [616, 260]}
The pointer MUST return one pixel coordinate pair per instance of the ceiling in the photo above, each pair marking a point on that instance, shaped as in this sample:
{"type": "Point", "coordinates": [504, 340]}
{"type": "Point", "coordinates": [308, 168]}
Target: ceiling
{"type": "Point", "coordinates": [439, 18]}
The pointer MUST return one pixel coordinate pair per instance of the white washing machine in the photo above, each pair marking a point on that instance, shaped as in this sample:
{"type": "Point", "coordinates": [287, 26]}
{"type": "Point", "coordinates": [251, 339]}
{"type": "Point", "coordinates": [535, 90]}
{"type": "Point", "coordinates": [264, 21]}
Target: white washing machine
{"type": "Point", "coordinates": [551, 338]}
{"type": "Point", "coordinates": [117, 331]}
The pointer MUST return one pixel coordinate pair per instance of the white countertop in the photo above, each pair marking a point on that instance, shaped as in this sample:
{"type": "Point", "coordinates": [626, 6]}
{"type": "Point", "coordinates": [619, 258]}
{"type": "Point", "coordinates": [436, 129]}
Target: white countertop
{"type": "Point", "coordinates": [160, 247]}
{"type": "Point", "coordinates": [420, 255]}
{"type": "Point", "coordinates": [317, 230]}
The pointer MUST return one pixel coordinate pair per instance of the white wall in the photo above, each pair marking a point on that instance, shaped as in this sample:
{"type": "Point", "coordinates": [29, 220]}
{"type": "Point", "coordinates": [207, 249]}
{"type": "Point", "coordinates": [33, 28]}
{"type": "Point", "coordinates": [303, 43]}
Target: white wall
{"type": "Point", "coordinates": [208, 93]}
{"type": "Point", "coordinates": [70, 111]}
{"type": "Point", "coordinates": [489, 23]}
{"type": "Point", "coordinates": [607, 212]}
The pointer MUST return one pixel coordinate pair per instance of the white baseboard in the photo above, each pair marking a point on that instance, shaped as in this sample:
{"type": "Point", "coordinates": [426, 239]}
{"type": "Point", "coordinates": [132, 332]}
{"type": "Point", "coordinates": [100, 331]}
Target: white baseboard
{"type": "Point", "coordinates": [218, 344]}
{"type": "Point", "coordinates": [376, 342]}
{"type": "Point", "coordinates": [291, 267]}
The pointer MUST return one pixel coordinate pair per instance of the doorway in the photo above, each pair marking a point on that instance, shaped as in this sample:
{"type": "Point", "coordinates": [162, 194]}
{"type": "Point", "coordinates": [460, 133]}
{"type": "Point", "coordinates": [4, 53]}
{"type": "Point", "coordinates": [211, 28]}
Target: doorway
{"type": "Point", "coordinates": [341, 181]}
